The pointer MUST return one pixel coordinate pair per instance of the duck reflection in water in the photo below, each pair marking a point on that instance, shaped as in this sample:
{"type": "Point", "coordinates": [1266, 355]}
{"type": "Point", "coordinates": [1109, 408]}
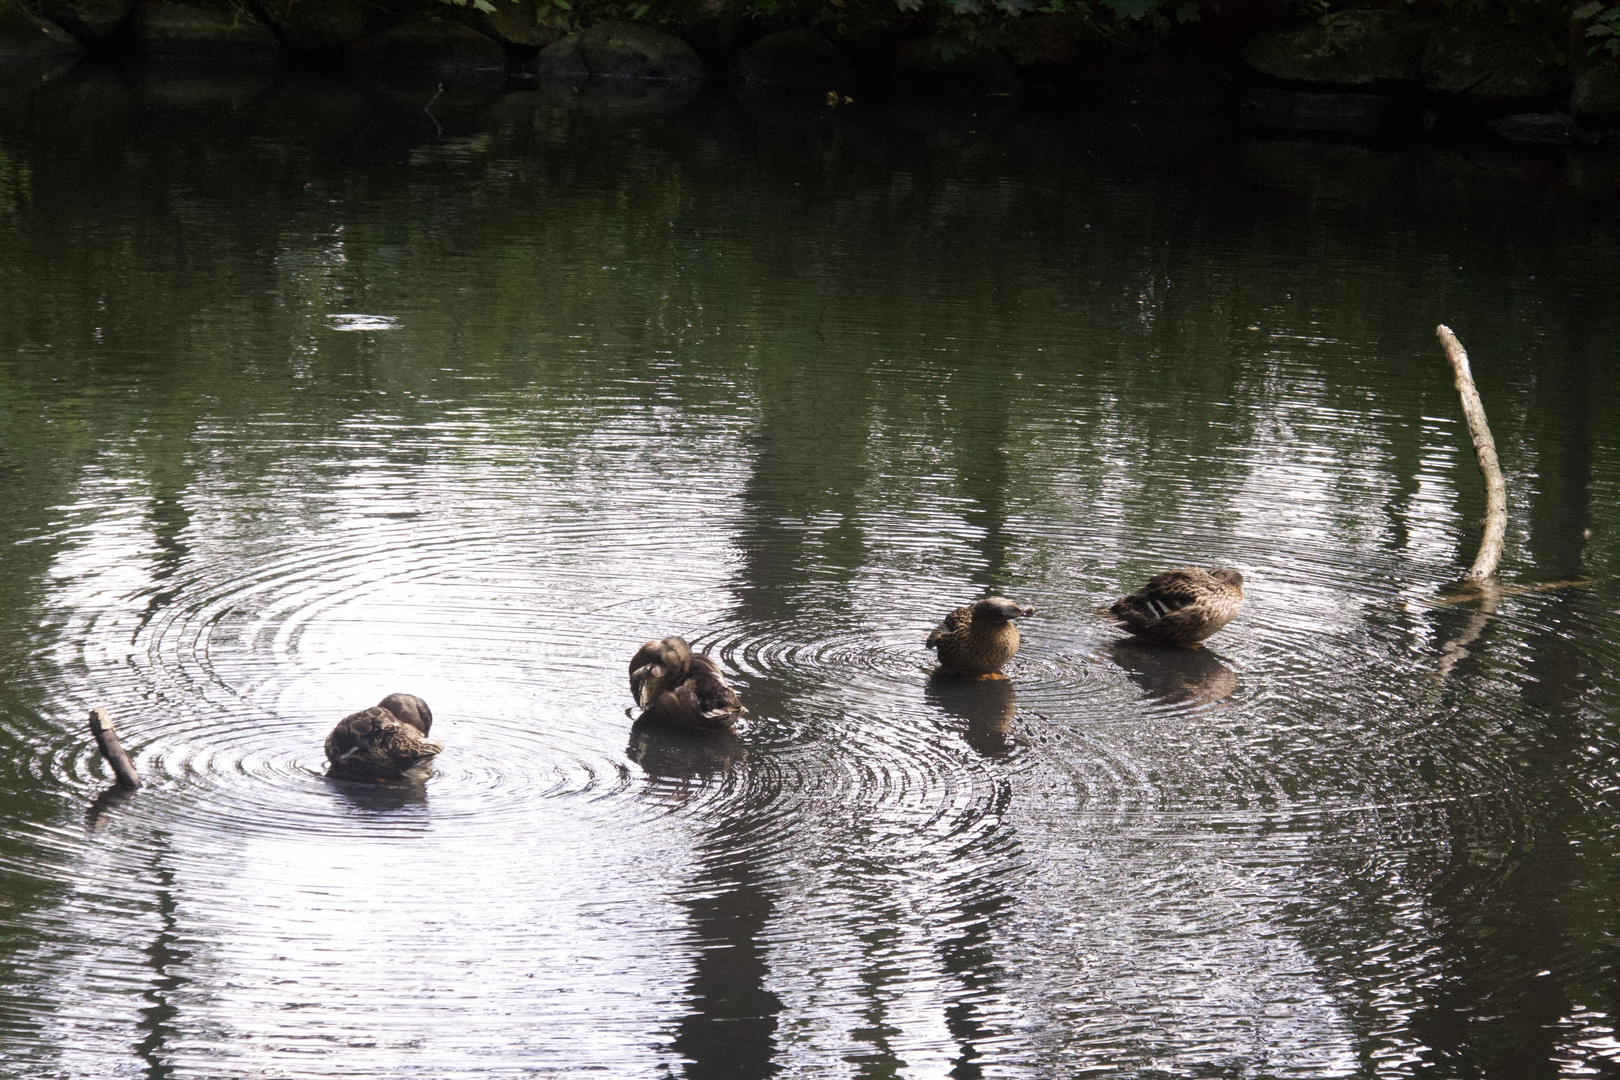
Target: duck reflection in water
{"type": "Point", "coordinates": [670, 754]}
{"type": "Point", "coordinates": [385, 796]}
{"type": "Point", "coordinates": [1181, 607]}
{"type": "Point", "coordinates": [986, 705]}
{"type": "Point", "coordinates": [978, 640]}
{"type": "Point", "coordinates": [383, 742]}
{"type": "Point", "coordinates": [681, 690]}
{"type": "Point", "coordinates": [1175, 676]}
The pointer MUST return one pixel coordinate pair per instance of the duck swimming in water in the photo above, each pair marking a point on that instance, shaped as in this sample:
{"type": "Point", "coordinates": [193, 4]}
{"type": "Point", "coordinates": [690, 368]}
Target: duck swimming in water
{"type": "Point", "coordinates": [1181, 607]}
{"type": "Point", "coordinates": [979, 639]}
{"type": "Point", "coordinates": [678, 688]}
{"type": "Point", "coordinates": [382, 742]}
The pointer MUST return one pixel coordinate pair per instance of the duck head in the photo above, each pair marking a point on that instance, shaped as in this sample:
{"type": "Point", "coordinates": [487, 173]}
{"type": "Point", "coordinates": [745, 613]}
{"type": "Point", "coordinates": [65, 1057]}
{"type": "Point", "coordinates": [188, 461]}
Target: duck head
{"type": "Point", "coordinates": [998, 609]}
{"type": "Point", "coordinates": [1229, 576]}
{"type": "Point", "coordinates": [409, 709]}
{"type": "Point", "coordinates": [658, 666]}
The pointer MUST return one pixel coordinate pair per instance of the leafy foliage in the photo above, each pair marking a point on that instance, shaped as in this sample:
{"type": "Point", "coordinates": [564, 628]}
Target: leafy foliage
{"type": "Point", "coordinates": [1605, 27]}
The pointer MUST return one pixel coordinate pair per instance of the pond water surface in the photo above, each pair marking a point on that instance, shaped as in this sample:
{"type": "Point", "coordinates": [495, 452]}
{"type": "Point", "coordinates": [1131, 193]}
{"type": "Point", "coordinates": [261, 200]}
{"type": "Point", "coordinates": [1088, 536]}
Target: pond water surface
{"type": "Point", "coordinates": [306, 397]}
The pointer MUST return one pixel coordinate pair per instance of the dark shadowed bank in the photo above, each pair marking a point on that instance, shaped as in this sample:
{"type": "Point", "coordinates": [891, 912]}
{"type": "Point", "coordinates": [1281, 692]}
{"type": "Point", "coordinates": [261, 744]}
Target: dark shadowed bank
{"type": "Point", "coordinates": [1525, 70]}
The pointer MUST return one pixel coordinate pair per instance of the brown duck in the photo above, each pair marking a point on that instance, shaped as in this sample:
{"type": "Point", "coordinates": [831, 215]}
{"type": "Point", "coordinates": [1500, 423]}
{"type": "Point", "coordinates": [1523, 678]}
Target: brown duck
{"type": "Point", "coordinates": [1181, 607]}
{"type": "Point", "coordinates": [678, 688]}
{"type": "Point", "coordinates": [979, 639]}
{"type": "Point", "coordinates": [382, 742]}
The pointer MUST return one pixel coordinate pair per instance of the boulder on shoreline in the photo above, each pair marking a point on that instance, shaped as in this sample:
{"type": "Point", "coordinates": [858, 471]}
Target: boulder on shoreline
{"type": "Point", "coordinates": [799, 57]}
{"type": "Point", "coordinates": [1347, 48]}
{"type": "Point", "coordinates": [1488, 66]}
{"type": "Point", "coordinates": [1348, 114]}
{"type": "Point", "coordinates": [189, 33]}
{"type": "Point", "coordinates": [318, 27]}
{"type": "Point", "coordinates": [935, 65]}
{"type": "Point", "coordinates": [514, 24]}
{"type": "Point", "coordinates": [1549, 128]}
{"type": "Point", "coordinates": [619, 50]}
{"type": "Point", "coordinates": [1596, 97]}
{"type": "Point", "coordinates": [431, 57]}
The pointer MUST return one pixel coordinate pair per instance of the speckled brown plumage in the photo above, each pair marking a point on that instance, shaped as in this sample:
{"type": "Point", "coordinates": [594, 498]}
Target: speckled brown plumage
{"type": "Point", "coordinates": [382, 742]}
{"type": "Point", "coordinates": [978, 639]}
{"type": "Point", "coordinates": [678, 688]}
{"type": "Point", "coordinates": [1181, 607]}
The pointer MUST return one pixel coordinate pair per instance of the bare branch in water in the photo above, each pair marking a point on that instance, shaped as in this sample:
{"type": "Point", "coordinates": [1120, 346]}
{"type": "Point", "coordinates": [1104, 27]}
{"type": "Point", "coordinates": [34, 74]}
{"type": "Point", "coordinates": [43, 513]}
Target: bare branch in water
{"type": "Point", "coordinates": [101, 726]}
{"type": "Point", "coordinates": [1490, 545]}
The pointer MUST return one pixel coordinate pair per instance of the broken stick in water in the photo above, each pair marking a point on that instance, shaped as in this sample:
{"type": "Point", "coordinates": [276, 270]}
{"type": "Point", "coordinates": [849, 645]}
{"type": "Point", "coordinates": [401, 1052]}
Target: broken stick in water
{"type": "Point", "coordinates": [1490, 545]}
{"type": "Point", "coordinates": [101, 726]}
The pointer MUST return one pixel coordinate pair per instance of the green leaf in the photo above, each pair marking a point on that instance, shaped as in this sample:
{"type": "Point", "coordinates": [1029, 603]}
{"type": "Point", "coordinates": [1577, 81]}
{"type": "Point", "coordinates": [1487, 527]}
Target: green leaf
{"type": "Point", "coordinates": [1130, 9]}
{"type": "Point", "coordinates": [1586, 11]}
{"type": "Point", "coordinates": [1188, 13]}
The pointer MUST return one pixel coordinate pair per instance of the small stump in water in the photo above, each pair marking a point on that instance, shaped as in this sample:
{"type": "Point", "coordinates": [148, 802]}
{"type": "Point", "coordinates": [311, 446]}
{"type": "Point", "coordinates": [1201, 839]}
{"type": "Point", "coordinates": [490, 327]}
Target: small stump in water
{"type": "Point", "coordinates": [101, 726]}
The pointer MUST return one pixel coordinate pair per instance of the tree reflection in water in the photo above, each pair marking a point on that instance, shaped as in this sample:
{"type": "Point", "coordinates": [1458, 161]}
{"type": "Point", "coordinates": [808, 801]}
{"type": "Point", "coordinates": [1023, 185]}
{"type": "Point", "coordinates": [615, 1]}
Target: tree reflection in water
{"type": "Point", "coordinates": [731, 1029]}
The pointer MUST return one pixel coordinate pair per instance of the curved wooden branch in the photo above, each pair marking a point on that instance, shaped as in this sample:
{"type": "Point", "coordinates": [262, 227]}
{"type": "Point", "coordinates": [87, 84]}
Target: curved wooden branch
{"type": "Point", "coordinates": [1490, 545]}
{"type": "Point", "coordinates": [101, 726]}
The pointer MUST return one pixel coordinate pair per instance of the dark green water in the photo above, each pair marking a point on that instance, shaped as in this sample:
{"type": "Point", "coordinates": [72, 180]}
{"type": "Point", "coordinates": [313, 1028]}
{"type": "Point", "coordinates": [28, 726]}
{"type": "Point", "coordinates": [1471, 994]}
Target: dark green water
{"type": "Point", "coordinates": [306, 397]}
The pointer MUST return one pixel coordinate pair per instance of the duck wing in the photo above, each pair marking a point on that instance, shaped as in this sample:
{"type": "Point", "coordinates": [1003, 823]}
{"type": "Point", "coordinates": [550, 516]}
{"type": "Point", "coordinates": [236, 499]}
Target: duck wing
{"type": "Point", "coordinates": [713, 695]}
{"type": "Point", "coordinates": [701, 701]}
{"type": "Point", "coordinates": [956, 622]}
{"type": "Point", "coordinates": [1187, 602]}
{"type": "Point", "coordinates": [1163, 595]}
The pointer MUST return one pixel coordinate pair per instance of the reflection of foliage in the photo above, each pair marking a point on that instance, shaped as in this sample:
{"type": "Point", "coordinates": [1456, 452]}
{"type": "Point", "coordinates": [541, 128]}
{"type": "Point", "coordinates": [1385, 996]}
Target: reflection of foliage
{"type": "Point", "coordinates": [1605, 26]}
{"type": "Point", "coordinates": [13, 184]}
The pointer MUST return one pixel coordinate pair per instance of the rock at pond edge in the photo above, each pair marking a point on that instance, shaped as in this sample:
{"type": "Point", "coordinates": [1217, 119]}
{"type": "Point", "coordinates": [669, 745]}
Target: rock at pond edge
{"type": "Point", "coordinates": [317, 27]}
{"type": "Point", "coordinates": [423, 54]}
{"type": "Point", "coordinates": [1347, 48]}
{"type": "Point", "coordinates": [933, 65]}
{"type": "Point", "coordinates": [1596, 97]}
{"type": "Point", "coordinates": [169, 31]}
{"type": "Point", "coordinates": [1486, 65]}
{"type": "Point", "coordinates": [798, 57]}
{"type": "Point", "coordinates": [513, 23]}
{"type": "Point", "coordinates": [619, 50]}
{"type": "Point", "coordinates": [1349, 114]}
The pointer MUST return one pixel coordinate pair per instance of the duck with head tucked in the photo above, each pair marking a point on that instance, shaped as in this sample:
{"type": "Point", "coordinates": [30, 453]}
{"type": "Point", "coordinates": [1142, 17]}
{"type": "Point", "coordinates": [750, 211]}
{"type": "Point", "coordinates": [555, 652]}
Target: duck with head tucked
{"type": "Point", "coordinates": [678, 688]}
{"type": "Point", "coordinates": [1181, 607]}
{"type": "Point", "coordinates": [979, 639]}
{"type": "Point", "coordinates": [382, 742]}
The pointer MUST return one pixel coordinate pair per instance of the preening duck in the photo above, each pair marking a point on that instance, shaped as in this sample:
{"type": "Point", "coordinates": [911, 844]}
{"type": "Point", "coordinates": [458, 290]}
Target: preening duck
{"type": "Point", "coordinates": [1181, 607]}
{"type": "Point", "coordinates": [382, 742]}
{"type": "Point", "coordinates": [678, 688]}
{"type": "Point", "coordinates": [979, 639]}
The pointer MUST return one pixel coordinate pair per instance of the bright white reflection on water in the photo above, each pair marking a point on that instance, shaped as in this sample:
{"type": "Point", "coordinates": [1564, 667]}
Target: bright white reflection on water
{"type": "Point", "coordinates": [794, 387]}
